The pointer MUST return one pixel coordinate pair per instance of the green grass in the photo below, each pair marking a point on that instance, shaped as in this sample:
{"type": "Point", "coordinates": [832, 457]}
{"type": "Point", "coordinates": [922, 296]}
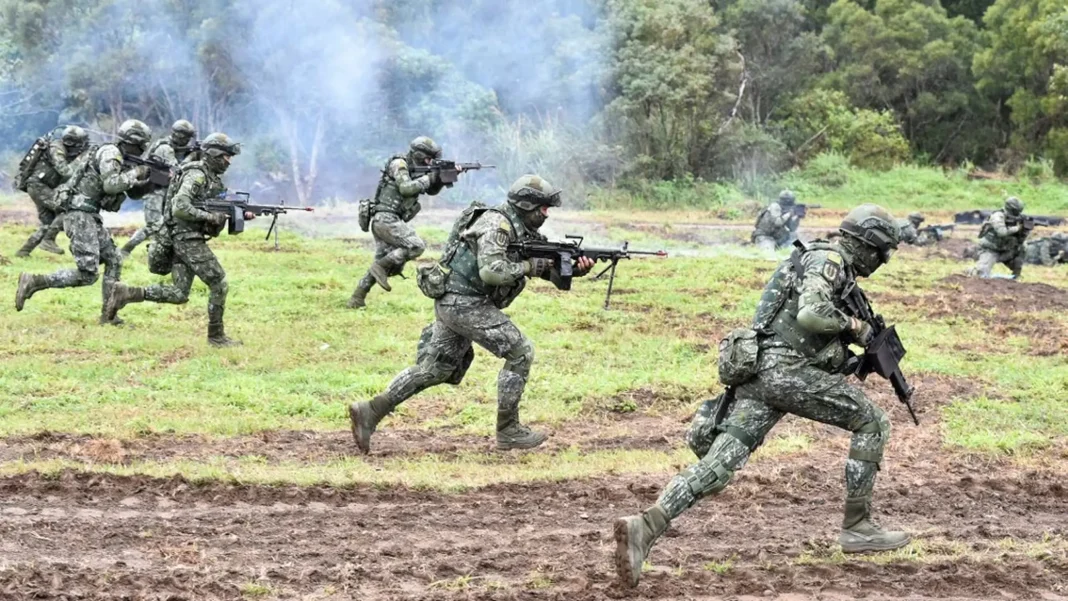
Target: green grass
{"type": "Point", "coordinates": [306, 357]}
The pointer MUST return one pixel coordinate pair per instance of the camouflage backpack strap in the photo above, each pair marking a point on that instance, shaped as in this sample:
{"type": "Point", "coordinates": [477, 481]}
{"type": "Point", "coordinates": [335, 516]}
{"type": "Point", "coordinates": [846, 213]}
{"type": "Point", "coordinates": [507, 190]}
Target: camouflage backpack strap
{"type": "Point", "coordinates": [38, 151]}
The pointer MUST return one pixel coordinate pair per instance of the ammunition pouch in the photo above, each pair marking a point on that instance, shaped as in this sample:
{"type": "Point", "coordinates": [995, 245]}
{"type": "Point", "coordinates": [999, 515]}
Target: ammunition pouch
{"type": "Point", "coordinates": [364, 214]}
{"type": "Point", "coordinates": [706, 422]}
{"type": "Point", "coordinates": [739, 354]}
{"type": "Point", "coordinates": [431, 279]}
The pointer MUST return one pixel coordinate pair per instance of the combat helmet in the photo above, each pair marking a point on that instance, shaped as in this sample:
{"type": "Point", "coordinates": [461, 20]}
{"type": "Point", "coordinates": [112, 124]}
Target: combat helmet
{"type": "Point", "coordinates": [916, 218]}
{"type": "Point", "coordinates": [787, 198]}
{"type": "Point", "coordinates": [182, 133]}
{"type": "Point", "coordinates": [530, 192]}
{"type": "Point", "coordinates": [1013, 206]}
{"type": "Point", "coordinates": [423, 148]}
{"type": "Point", "coordinates": [74, 138]}
{"type": "Point", "coordinates": [134, 132]}
{"type": "Point", "coordinates": [218, 148]}
{"type": "Point", "coordinates": [870, 236]}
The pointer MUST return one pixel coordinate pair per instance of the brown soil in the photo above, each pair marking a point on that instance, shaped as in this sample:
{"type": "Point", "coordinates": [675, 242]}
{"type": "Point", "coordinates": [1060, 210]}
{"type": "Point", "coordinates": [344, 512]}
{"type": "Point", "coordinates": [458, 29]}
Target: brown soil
{"type": "Point", "coordinates": [91, 536]}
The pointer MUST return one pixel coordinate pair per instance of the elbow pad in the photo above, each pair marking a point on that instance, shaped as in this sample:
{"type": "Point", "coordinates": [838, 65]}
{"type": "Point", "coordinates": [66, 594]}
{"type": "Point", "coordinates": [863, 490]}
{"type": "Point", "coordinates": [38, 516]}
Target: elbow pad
{"type": "Point", "coordinates": [812, 321]}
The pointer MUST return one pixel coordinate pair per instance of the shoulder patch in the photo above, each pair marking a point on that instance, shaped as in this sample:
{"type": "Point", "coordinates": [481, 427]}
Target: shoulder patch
{"type": "Point", "coordinates": [831, 269]}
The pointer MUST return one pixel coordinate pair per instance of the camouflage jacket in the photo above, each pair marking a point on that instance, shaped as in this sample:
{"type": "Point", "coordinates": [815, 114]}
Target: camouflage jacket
{"type": "Point", "coordinates": [1001, 234]}
{"type": "Point", "coordinates": [100, 183]}
{"type": "Point", "coordinates": [54, 167]}
{"type": "Point", "coordinates": [482, 265]}
{"type": "Point", "coordinates": [192, 186]}
{"type": "Point", "coordinates": [165, 150]}
{"type": "Point", "coordinates": [398, 192]}
{"type": "Point", "coordinates": [802, 307]}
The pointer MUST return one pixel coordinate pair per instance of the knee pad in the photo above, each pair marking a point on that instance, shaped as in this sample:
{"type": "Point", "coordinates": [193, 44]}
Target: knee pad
{"type": "Point", "coordinates": [520, 357]}
{"type": "Point", "coordinates": [707, 477]}
{"type": "Point", "coordinates": [872, 435]}
{"type": "Point", "coordinates": [88, 278]}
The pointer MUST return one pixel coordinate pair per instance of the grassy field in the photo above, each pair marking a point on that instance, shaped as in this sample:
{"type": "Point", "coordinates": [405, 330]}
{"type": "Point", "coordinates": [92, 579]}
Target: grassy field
{"type": "Point", "coordinates": [152, 400]}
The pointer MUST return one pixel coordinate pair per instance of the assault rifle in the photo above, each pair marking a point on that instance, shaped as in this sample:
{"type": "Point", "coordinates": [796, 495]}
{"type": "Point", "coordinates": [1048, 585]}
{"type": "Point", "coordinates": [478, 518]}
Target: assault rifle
{"type": "Point", "coordinates": [978, 217]}
{"type": "Point", "coordinates": [159, 173]}
{"type": "Point", "coordinates": [883, 354]}
{"type": "Point", "coordinates": [564, 254]}
{"type": "Point", "coordinates": [236, 204]}
{"type": "Point", "coordinates": [448, 171]}
{"type": "Point", "coordinates": [801, 211]}
{"type": "Point", "coordinates": [938, 232]}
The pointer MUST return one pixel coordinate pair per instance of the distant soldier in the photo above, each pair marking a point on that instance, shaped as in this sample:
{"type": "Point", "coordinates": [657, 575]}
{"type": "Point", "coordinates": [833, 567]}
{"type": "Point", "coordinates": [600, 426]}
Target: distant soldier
{"type": "Point", "coordinates": [1047, 251]}
{"type": "Point", "coordinates": [171, 150]}
{"type": "Point", "coordinates": [189, 227]}
{"type": "Point", "coordinates": [396, 202]}
{"type": "Point", "coordinates": [799, 347]}
{"type": "Point", "coordinates": [483, 278]}
{"type": "Point", "coordinates": [776, 226]}
{"type": "Point", "coordinates": [99, 184]}
{"type": "Point", "coordinates": [910, 228]}
{"type": "Point", "coordinates": [44, 174]}
{"type": "Point", "coordinates": [1002, 238]}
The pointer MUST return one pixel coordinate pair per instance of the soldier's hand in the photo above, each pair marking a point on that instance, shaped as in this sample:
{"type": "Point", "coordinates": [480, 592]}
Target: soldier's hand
{"type": "Point", "coordinates": [219, 218]}
{"type": "Point", "coordinates": [583, 266]}
{"type": "Point", "coordinates": [249, 215]}
{"type": "Point", "coordinates": [861, 330]}
{"type": "Point", "coordinates": [537, 266]}
{"type": "Point", "coordinates": [141, 173]}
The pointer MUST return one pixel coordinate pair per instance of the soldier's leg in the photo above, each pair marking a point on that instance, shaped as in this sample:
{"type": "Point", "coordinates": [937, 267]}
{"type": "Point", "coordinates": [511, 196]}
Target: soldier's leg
{"type": "Point", "coordinates": [765, 243]}
{"type": "Point", "coordinates": [404, 243]}
{"type": "Point", "coordinates": [1015, 264]}
{"type": "Point", "coordinates": [83, 232]}
{"type": "Point", "coordinates": [439, 358]}
{"type": "Point", "coordinates": [45, 235]}
{"type": "Point", "coordinates": [202, 262]}
{"type": "Point", "coordinates": [358, 300]}
{"type": "Point", "coordinates": [747, 422]}
{"type": "Point", "coordinates": [109, 256]}
{"type": "Point", "coordinates": [153, 216]}
{"type": "Point", "coordinates": [175, 293]}
{"type": "Point", "coordinates": [987, 260]}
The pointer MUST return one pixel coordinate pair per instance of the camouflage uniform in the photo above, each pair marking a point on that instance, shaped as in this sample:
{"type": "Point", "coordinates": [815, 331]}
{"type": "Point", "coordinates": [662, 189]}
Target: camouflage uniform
{"type": "Point", "coordinates": [484, 278]}
{"type": "Point", "coordinates": [1001, 240]}
{"type": "Point", "coordinates": [52, 169]}
{"type": "Point", "coordinates": [172, 150]}
{"type": "Point", "coordinates": [1047, 251]}
{"type": "Point", "coordinates": [776, 226]}
{"type": "Point", "coordinates": [188, 228]}
{"type": "Point", "coordinates": [803, 330]}
{"type": "Point", "coordinates": [396, 203]}
{"type": "Point", "coordinates": [100, 184]}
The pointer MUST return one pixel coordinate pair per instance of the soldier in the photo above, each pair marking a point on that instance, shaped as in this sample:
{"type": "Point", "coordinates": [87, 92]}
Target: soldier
{"type": "Point", "coordinates": [484, 279]}
{"type": "Point", "coordinates": [98, 184]}
{"type": "Point", "coordinates": [172, 150]}
{"type": "Point", "coordinates": [1001, 240]}
{"type": "Point", "coordinates": [1047, 251]}
{"type": "Point", "coordinates": [396, 202]}
{"type": "Point", "coordinates": [188, 228]}
{"type": "Point", "coordinates": [802, 330]}
{"type": "Point", "coordinates": [776, 226]}
{"type": "Point", "coordinates": [910, 228]}
{"type": "Point", "coordinates": [47, 173]}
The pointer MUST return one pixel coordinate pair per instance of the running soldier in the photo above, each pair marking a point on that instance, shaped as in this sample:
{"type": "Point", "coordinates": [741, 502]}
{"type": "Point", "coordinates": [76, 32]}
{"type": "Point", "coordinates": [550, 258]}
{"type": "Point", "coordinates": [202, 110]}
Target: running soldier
{"type": "Point", "coordinates": [50, 168]}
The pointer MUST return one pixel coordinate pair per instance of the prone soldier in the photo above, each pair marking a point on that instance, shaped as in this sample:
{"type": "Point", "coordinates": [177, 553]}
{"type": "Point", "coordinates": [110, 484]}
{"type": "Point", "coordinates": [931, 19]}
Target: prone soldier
{"type": "Point", "coordinates": [1047, 251]}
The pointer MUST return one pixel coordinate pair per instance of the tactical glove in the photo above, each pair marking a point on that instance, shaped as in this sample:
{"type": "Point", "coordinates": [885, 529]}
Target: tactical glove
{"type": "Point", "coordinates": [537, 267]}
{"type": "Point", "coordinates": [862, 331]}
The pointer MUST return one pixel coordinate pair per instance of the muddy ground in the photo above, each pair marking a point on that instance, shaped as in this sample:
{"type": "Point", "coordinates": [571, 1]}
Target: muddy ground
{"type": "Point", "coordinates": [988, 528]}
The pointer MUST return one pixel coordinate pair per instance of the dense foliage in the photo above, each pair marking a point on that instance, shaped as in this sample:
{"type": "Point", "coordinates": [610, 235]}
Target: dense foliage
{"type": "Point", "coordinates": [590, 91]}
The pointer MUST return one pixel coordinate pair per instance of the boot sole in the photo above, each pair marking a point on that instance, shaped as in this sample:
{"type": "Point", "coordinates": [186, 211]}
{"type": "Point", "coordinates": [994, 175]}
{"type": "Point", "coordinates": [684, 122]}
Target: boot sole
{"type": "Point", "coordinates": [354, 421]}
{"type": "Point", "coordinates": [873, 547]}
{"type": "Point", "coordinates": [508, 446]}
{"type": "Point", "coordinates": [624, 572]}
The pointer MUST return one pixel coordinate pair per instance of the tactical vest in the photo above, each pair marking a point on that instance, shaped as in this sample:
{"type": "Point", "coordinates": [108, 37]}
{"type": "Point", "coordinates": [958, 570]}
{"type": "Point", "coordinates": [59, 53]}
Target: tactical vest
{"type": "Point", "coordinates": [764, 227]}
{"type": "Point", "coordinates": [388, 198]}
{"type": "Point", "coordinates": [180, 154]}
{"type": "Point", "coordinates": [181, 229]}
{"type": "Point", "coordinates": [464, 279]}
{"type": "Point", "coordinates": [777, 310]}
{"type": "Point", "coordinates": [87, 186]}
{"type": "Point", "coordinates": [989, 239]}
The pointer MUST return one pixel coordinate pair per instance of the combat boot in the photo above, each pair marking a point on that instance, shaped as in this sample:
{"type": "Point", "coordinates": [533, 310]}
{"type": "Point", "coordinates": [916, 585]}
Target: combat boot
{"type": "Point", "coordinates": [109, 321]}
{"type": "Point", "coordinates": [635, 536]}
{"type": "Point", "coordinates": [122, 295]}
{"type": "Point", "coordinates": [513, 435]}
{"type": "Point", "coordinates": [217, 336]}
{"type": "Point", "coordinates": [358, 299]}
{"type": "Point", "coordinates": [28, 284]}
{"type": "Point", "coordinates": [364, 417]}
{"type": "Point", "coordinates": [380, 272]}
{"type": "Point", "coordinates": [861, 535]}
{"type": "Point", "coordinates": [50, 246]}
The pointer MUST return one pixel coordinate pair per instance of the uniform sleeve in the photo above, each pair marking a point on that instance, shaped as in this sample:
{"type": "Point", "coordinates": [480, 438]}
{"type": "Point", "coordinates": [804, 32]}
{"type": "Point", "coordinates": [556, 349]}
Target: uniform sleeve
{"type": "Point", "coordinates": [492, 232]}
{"type": "Point", "coordinates": [193, 184]}
{"type": "Point", "coordinates": [407, 186]}
{"type": "Point", "coordinates": [823, 275]}
{"type": "Point", "coordinates": [166, 154]}
{"type": "Point", "coordinates": [113, 179]}
{"type": "Point", "coordinates": [57, 155]}
{"type": "Point", "coordinates": [777, 216]}
{"type": "Point", "coordinates": [997, 221]}
{"type": "Point", "coordinates": [1044, 254]}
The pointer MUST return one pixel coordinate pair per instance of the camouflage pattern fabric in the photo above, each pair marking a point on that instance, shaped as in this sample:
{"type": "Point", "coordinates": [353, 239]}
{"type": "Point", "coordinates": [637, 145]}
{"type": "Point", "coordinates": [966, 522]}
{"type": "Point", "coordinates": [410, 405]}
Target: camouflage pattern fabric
{"type": "Point", "coordinates": [765, 242]}
{"type": "Point", "coordinates": [1014, 260]}
{"type": "Point", "coordinates": [996, 235]}
{"type": "Point", "coordinates": [396, 240]}
{"type": "Point", "coordinates": [153, 202]}
{"type": "Point", "coordinates": [48, 174]}
{"type": "Point", "coordinates": [103, 184]}
{"type": "Point", "coordinates": [191, 258]}
{"type": "Point", "coordinates": [776, 224]}
{"type": "Point", "coordinates": [1045, 251]}
{"type": "Point", "coordinates": [907, 231]}
{"type": "Point", "coordinates": [91, 245]}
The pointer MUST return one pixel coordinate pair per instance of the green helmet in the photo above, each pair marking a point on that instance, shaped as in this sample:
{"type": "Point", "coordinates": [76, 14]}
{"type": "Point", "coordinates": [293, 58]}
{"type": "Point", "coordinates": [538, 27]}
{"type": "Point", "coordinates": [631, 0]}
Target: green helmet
{"type": "Point", "coordinates": [423, 148]}
{"type": "Point", "coordinates": [1013, 206]}
{"type": "Point", "coordinates": [219, 144]}
{"type": "Point", "coordinates": [787, 198]}
{"type": "Point", "coordinates": [1060, 237]}
{"type": "Point", "coordinates": [530, 192]}
{"type": "Point", "coordinates": [916, 218]}
{"type": "Point", "coordinates": [182, 133]}
{"type": "Point", "coordinates": [134, 132]}
{"type": "Point", "coordinates": [75, 137]}
{"type": "Point", "coordinates": [874, 226]}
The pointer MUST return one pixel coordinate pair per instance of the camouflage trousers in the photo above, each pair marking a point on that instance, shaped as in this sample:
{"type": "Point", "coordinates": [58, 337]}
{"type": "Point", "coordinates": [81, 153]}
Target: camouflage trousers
{"type": "Point", "coordinates": [91, 245]}
{"type": "Point", "coordinates": [445, 351]}
{"type": "Point", "coordinates": [765, 242]}
{"type": "Point", "coordinates": [1012, 259]}
{"type": "Point", "coordinates": [193, 258]}
{"type": "Point", "coordinates": [396, 243]}
{"type": "Point", "coordinates": [153, 220]}
{"type": "Point", "coordinates": [786, 383]}
{"type": "Point", "coordinates": [42, 196]}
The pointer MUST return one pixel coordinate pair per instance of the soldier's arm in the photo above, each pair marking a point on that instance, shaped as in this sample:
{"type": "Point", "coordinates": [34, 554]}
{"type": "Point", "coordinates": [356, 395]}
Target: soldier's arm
{"type": "Point", "coordinates": [398, 170]}
{"type": "Point", "coordinates": [779, 217]}
{"type": "Point", "coordinates": [113, 179]}
{"type": "Point", "coordinates": [166, 154]}
{"type": "Point", "coordinates": [193, 183]}
{"type": "Point", "coordinates": [492, 232]}
{"type": "Point", "coordinates": [823, 275]}
{"type": "Point", "coordinates": [57, 155]}
{"type": "Point", "coordinates": [997, 221]}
